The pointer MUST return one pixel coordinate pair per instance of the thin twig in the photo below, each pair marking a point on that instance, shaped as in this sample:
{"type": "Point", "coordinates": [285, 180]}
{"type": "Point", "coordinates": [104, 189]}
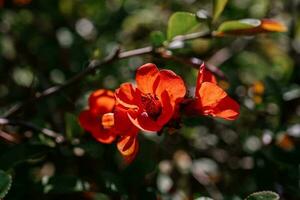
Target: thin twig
{"type": "Point", "coordinates": [9, 138]}
{"type": "Point", "coordinates": [92, 66]}
{"type": "Point", "coordinates": [226, 53]}
{"type": "Point", "coordinates": [30, 126]}
{"type": "Point", "coordinates": [194, 63]}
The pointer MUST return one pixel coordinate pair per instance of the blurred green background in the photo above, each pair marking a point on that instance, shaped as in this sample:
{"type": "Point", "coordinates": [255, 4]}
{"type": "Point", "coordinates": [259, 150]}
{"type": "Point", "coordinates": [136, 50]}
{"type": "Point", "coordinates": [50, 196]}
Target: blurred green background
{"type": "Point", "coordinates": [46, 42]}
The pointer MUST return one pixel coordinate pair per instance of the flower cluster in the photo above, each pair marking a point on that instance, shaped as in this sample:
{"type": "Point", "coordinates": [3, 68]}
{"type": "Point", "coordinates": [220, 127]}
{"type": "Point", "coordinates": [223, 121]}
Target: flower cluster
{"type": "Point", "coordinates": [158, 97]}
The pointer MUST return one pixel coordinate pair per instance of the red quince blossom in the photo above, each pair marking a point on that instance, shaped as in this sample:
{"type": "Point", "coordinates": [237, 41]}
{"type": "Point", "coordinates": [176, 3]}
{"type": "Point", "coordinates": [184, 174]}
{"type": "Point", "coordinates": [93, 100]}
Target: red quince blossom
{"type": "Point", "coordinates": [106, 120]}
{"type": "Point", "coordinates": [151, 104]}
{"type": "Point", "coordinates": [99, 119]}
{"type": "Point", "coordinates": [210, 99]}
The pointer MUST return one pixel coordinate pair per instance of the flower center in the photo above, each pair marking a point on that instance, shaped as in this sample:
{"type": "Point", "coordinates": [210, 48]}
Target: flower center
{"type": "Point", "coordinates": [152, 105]}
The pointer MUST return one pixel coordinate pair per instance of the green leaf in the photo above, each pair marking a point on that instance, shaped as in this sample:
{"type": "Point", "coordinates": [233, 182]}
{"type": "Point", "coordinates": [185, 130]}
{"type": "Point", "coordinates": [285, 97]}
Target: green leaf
{"type": "Point", "coordinates": [157, 38]}
{"type": "Point", "coordinates": [5, 183]}
{"type": "Point", "coordinates": [21, 153]}
{"type": "Point", "coordinates": [264, 195]}
{"type": "Point", "coordinates": [250, 27]}
{"type": "Point", "coordinates": [181, 23]}
{"type": "Point", "coordinates": [218, 7]}
{"type": "Point", "coordinates": [73, 128]}
{"type": "Point", "coordinates": [237, 25]}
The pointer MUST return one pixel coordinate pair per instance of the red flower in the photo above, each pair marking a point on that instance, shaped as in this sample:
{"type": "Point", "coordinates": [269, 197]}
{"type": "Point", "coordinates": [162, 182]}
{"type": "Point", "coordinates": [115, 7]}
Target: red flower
{"type": "Point", "coordinates": [99, 119]}
{"type": "Point", "coordinates": [212, 100]}
{"type": "Point", "coordinates": [105, 121]}
{"type": "Point", "coordinates": [151, 105]}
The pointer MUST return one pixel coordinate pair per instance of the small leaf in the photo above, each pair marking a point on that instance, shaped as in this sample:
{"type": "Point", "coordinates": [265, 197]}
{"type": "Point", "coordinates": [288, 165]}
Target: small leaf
{"type": "Point", "coordinates": [181, 23]}
{"type": "Point", "coordinates": [5, 183]}
{"type": "Point", "coordinates": [157, 38]}
{"type": "Point", "coordinates": [235, 25]}
{"type": "Point", "coordinates": [218, 7]}
{"type": "Point", "coordinates": [264, 195]}
{"type": "Point", "coordinates": [73, 128]}
{"type": "Point", "coordinates": [249, 27]}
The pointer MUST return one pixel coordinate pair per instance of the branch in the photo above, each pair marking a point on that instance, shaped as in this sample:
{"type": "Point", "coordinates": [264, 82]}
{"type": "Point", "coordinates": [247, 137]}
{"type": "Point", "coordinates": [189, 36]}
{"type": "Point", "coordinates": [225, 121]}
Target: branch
{"type": "Point", "coordinates": [92, 66]}
{"type": "Point", "coordinates": [58, 137]}
{"type": "Point", "coordinates": [9, 138]}
{"type": "Point", "coordinates": [194, 63]}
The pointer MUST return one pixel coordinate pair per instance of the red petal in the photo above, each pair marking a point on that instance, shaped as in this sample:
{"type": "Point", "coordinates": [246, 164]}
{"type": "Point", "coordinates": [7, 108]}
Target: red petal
{"type": "Point", "coordinates": [87, 120]}
{"type": "Point", "coordinates": [101, 101]}
{"type": "Point", "coordinates": [214, 101]}
{"type": "Point", "coordinates": [172, 83]}
{"type": "Point", "coordinates": [128, 147]}
{"type": "Point", "coordinates": [142, 121]}
{"type": "Point", "coordinates": [210, 94]}
{"type": "Point", "coordinates": [127, 96]}
{"type": "Point", "coordinates": [167, 109]}
{"type": "Point", "coordinates": [92, 124]}
{"type": "Point", "coordinates": [204, 75]}
{"type": "Point", "coordinates": [146, 76]}
{"type": "Point", "coordinates": [106, 136]}
{"type": "Point", "coordinates": [123, 125]}
{"type": "Point", "coordinates": [227, 109]}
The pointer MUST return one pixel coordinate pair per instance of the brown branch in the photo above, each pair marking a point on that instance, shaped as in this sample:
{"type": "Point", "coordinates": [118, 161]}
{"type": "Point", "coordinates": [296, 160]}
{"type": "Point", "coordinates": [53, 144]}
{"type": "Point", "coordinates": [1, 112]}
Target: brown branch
{"type": "Point", "coordinates": [92, 66]}
{"type": "Point", "coordinates": [226, 53]}
{"type": "Point", "coordinates": [9, 138]}
{"type": "Point", "coordinates": [194, 63]}
{"type": "Point", "coordinates": [27, 125]}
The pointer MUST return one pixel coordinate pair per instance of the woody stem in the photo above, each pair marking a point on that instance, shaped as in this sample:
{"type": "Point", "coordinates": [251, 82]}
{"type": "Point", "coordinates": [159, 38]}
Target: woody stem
{"type": "Point", "coordinates": [92, 66]}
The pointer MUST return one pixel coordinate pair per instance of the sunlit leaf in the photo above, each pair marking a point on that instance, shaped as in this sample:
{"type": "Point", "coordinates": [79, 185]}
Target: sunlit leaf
{"type": "Point", "coordinates": [249, 27]}
{"type": "Point", "coordinates": [181, 23]}
{"type": "Point", "coordinates": [218, 7]}
{"type": "Point", "coordinates": [5, 183]}
{"type": "Point", "coordinates": [264, 195]}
